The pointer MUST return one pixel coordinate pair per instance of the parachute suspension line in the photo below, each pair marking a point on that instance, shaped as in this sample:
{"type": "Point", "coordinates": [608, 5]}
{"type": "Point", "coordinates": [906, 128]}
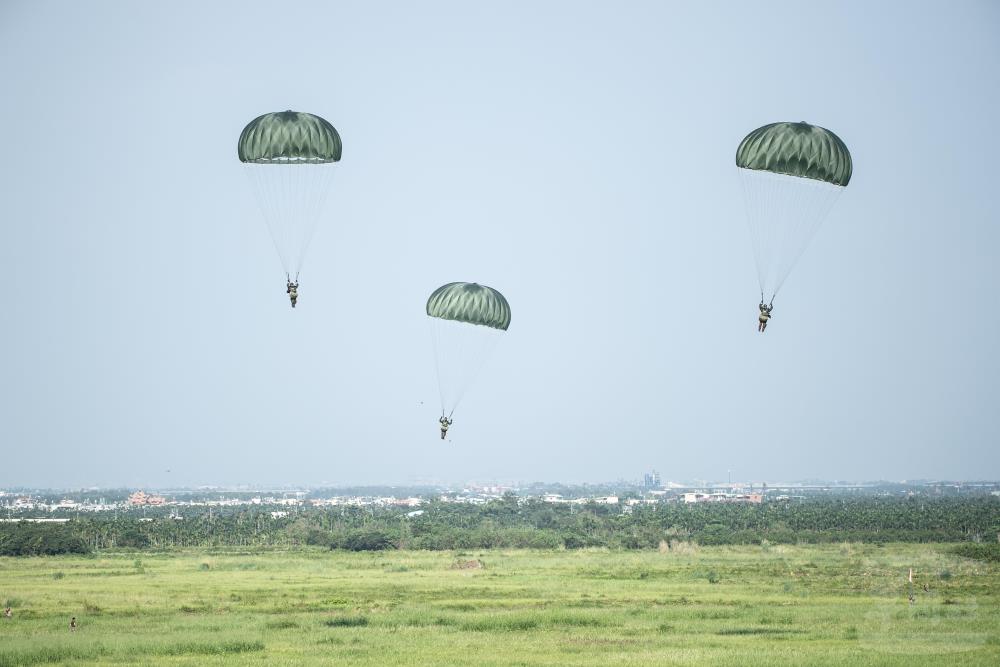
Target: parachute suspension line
{"type": "Point", "coordinates": [460, 351]}
{"type": "Point", "coordinates": [755, 206]}
{"type": "Point", "coordinates": [280, 211]}
{"type": "Point", "coordinates": [275, 182]}
{"type": "Point", "coordinates": [437, 363]}
{"type": "Point", "coordinates": [317, 185]}
{"type": "Point", "coordinates": [765, 235]}
{"type": "Point", "coordinates": [462, 355]}
{"type": "Point", "coordinates": [813, 203]}
{"type": "Point", "coordinates": [777, 232]}
{"type": "Point", "coordinates": [323, 179]}
{"type": "Point", "coordinates": [784, 213]}
{"type": "Point", "coordinates": [791, 235]}
{"type": "Point", "coordinates": [290, 177]}
{"type": "Point", "coordinates": [292, 197]}
{"type": "Point", "coordinates": [259, 186]}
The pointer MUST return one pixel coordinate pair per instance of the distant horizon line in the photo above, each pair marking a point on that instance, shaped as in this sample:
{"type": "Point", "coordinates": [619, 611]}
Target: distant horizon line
{"type": "Point", "coordinates": [442, 485]}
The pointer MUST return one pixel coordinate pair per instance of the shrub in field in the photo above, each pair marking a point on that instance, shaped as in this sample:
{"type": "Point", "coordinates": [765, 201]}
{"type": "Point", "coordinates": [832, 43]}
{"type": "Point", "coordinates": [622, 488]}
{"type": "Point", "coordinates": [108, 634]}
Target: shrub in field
{"type": "Point", "coordinates": [42, 655]}
{"type": "Point", "coordinates": [203, 648]}
{"type": "Point", "coordinates": [715, 533]}
{"type": "Point", "coordinates": [346, 621]}
{"type": "Point", "coordinates": [364, 540]}
{"type": "Point", "coordinates": [524, 538]}
{"type": "Point", "coordinates": [988, 552]}
{"type": "Point", "coordinates": [577, 541]}
{"type": "Point", "coordinates": [422, 620]}
{"type": "Point", "coordinates": [566, 620]}
{"type": "Point", "coordinates": [193, 609]}
{"type": "Point", "coordinates": [319, 538]}
{"type": "Point", "coordinates": [756, 631]}
{"type": "Point", "coordinates": [439, 540]}
{"type": "Point", "coordinates": [746, 537]}
{"type": "Point", "coordinates": [501, 623]}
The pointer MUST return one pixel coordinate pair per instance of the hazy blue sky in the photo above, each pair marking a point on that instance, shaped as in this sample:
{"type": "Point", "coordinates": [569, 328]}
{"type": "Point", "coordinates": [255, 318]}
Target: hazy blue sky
{"type": "Point", "coordinates": [576, 156]}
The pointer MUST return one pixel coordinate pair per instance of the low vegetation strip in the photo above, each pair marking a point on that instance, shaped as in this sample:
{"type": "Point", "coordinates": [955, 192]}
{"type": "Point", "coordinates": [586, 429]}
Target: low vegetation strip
{"type": "Point", "coordinates": [511, 523]}
{"type": "Point", "coordinates": [71, 652]}
{"type": "Point", "coordinates": [42, 655]}
{"type": "Point", "coordinates": [346, 621]}
{"type": "Point", "coordinates": [757, 631]}
{"type": "Point", "coordinates": [985, 552]}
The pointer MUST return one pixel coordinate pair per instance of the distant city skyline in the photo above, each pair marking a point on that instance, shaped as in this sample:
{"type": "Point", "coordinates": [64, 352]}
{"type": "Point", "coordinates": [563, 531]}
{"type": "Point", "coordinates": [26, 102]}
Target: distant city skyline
{"type": "Point", "coordinates": [639, 484]}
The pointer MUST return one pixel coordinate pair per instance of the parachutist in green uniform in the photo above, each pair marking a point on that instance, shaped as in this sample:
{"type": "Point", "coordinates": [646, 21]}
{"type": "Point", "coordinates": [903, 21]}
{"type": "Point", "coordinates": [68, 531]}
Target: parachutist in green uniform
{"type": "Point", "coordinates": [445, 423]}
{"type": "Point", "coordinates": [765, 315]}
{"type": "Point", "coordinates": [293, 291]}
{"type": "Point", "coordinates": [792, 173]}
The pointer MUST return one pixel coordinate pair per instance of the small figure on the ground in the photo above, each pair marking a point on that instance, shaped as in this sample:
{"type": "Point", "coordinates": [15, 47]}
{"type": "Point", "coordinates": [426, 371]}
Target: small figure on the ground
{"type": "Point", "coordinates": [293, 291]}
{"type": "Point", "coordinates": [445, 423]}
{"type": "Point", "coordinates": [765, 315]}
{"type": "Point", "coordinates": [72, 624]}
{"type": "Point", "coordinates": [8, 613]}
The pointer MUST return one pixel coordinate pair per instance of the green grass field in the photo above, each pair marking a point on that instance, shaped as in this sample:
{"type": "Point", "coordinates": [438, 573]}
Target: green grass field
{"type": "Point", "coordinates": [778, 605]}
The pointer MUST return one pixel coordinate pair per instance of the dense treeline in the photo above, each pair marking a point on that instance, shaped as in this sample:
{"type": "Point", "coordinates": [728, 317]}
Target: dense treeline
{"type": "Point", "coordinates": [31, 539]}
{"type": "Point", "coordinates": [510, 523]}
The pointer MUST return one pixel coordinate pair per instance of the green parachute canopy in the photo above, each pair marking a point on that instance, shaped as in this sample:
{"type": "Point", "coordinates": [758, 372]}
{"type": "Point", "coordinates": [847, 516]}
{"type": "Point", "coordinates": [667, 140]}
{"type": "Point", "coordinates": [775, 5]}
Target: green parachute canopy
{"type": "Point", "coordinates": [796, 149]}
{"type": "Point", "coordinates": [289, 137]}
{"type": "Point", "coordinates": [472, 303]}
